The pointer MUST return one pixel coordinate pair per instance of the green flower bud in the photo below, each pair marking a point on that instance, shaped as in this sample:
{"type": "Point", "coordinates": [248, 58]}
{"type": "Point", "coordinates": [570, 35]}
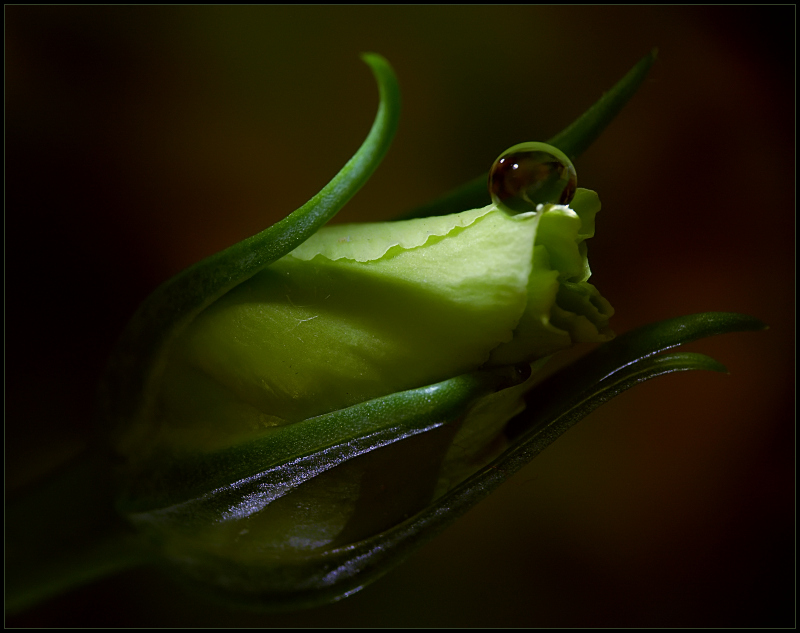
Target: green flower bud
{"type": "Point", "coordinates": [357, 313]}
{"type": "Point", "coordinates": [294, 415]}
{"type": "Point", "coordinates": [362, 311]}
{"type": "Point", "coordinates": [260, 397]}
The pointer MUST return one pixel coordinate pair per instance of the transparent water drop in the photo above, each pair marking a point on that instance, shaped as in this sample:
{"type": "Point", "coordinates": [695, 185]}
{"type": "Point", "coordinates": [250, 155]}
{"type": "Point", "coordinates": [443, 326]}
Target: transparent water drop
{"type": "Point", "coordinates": [530, 174]}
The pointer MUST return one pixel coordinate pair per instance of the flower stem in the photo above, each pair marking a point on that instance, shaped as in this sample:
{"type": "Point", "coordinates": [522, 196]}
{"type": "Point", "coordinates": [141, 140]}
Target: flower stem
{"type": "Point", "coordinates": [64, 532]}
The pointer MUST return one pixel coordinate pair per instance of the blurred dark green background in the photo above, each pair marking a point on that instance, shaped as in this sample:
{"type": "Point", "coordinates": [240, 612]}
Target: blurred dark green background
{"type": "Point", "coordinates": [139, 140]}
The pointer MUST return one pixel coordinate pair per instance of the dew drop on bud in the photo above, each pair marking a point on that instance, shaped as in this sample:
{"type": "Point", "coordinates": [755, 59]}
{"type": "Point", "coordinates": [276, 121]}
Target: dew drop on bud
{"type": "Point", "coordinates": [530, 174]}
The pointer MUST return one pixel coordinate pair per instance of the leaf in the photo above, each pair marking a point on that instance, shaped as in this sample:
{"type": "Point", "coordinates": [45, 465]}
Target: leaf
{"type": "Point", "coordinates": [203, 487]}
{"type": "Point", "coordinates": [554, 406]}
{"type": "Point", "coordinates": [91, 539]}
{"type": "Point", "coordinates": [573, 141]}
{"type": "Point", "coordinates": [614, 357]}
{"type": "Point", "coordinates": [138, 355]}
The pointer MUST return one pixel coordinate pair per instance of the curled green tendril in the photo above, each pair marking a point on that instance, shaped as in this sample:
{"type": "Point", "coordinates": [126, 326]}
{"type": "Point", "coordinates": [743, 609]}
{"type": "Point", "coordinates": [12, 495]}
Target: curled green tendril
{"type": "Point", "coordinates": [139, 353]}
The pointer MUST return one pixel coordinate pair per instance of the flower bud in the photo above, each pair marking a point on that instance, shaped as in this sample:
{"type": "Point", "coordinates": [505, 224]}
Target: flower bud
{"type": "Point", "coordinates": [294, 415]}
{"type": "Point", "coordinates": [365, 310]}
{"type": "Point", "coordinates": [285, 405]}
{"type": "Point", "coordinates": [355, 314]}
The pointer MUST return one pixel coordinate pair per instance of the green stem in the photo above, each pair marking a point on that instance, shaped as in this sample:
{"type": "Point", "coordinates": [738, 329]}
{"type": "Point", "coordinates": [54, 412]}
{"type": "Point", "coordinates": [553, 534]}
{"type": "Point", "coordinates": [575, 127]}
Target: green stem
{"type": "Point", "coordinates": [65, 533]}
{"type": "Point", "coordinates": [573, 141]}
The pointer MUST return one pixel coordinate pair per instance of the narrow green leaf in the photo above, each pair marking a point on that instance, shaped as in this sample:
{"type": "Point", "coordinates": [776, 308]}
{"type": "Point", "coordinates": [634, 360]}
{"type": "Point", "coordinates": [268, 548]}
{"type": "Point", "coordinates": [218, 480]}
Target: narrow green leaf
{"type": "Point", "coordinates": [579, 136]}
{"type": "Point", "coordinates": [351, 568]}
{"type": "Point", "coordinates": [573, 141]}
{"type": "Point", "coordinates": [555, 406]}
{"type": "Point", "coordinates": [348, 569]}
{"type": "Point", "coordinates": [175, 303]}
{"type": "Point", "coordinates": [620, 364]}
{"type": "Point", "coordinates": [649, 340]}
{"type": "Point", "coordinates": [196, 489]}
{"type": "Point", "coordinates": [547, 420]}
{"type": "Point", "coordinates": [199, 488]}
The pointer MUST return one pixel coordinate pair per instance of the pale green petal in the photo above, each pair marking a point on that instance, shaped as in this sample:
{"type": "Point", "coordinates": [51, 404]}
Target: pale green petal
{"type": "Point", "coordinates": [480, 437]}
{"type": "Point", "coordinates": [367, 242]}
{"type": "Point", "coordinates": [362, 311]}
{"type": "Point", "coordinates": [562, 307]}
{"type": "Point", "coordinates": [309, 336]}
{"type": "Point", "coordinates": [535, 336]}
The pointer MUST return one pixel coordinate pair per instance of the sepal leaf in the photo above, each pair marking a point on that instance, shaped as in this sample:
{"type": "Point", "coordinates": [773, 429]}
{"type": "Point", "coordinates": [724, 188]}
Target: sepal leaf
{"type": "Point", "coordinates": [138, 357]}
{"type": "Point", "coordinates": [554, 406]}
{"type": "Point", "coordinates": [196, 488]}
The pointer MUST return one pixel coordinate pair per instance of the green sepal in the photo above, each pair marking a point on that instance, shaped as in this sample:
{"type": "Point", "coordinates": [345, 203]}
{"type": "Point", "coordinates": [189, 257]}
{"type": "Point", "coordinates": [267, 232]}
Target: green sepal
{"type": "Point", "coordinates": [139, 355]}
{"type": "Point", "coordinates": [573, 141]}
{"type": "Point", "coordinates": [196, 488]}
{"type": "Point", "coordinates": [554, 406]}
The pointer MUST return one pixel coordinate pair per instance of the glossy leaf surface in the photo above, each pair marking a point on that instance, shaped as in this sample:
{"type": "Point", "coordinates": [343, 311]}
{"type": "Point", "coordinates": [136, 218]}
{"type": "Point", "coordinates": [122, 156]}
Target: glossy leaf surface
{"type": "Point", "coordinates": [554, 406]}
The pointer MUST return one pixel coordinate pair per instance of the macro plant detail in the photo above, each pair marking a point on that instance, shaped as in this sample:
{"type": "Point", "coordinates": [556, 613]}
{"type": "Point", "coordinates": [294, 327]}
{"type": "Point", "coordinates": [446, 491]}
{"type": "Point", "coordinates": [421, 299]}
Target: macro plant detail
{"type": "Point", "coordinates": [291, 417]}
{"type": "Point", "coordinates": [530, 174]}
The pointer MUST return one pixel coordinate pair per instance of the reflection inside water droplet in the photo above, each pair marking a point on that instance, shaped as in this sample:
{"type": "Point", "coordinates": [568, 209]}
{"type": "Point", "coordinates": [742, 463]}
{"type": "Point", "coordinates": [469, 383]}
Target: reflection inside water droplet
{"type": "Point", "coordinates": [530, 174]}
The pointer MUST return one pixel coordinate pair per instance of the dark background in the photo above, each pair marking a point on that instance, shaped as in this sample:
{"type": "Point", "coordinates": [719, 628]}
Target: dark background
{"type": "Point", "coordinates": [139, 140]}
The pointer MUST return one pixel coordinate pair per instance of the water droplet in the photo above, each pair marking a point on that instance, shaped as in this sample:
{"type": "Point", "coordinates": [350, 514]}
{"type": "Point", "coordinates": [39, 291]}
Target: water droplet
{"type": "Point", "coordinates": [530, 174]}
